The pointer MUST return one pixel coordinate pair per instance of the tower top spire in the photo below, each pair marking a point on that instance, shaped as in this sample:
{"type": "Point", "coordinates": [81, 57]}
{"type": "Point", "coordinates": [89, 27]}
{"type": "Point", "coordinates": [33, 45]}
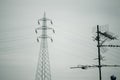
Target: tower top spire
{"type": "Point", "coordinates": [44, 14]}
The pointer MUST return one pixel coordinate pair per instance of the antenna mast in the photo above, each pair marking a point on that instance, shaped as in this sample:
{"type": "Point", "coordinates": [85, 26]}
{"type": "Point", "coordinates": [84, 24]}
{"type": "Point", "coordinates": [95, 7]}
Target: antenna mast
{"type": "Point", "coordinates": [99, 45]}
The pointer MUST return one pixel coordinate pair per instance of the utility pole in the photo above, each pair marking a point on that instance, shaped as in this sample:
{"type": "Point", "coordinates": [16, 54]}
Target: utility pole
{"type": "Point", "coordinates": [99, 45]}
{"type": "Point", "coordinates": [43, 67]}
{"type": "Point", "coordinates": [99, 58]}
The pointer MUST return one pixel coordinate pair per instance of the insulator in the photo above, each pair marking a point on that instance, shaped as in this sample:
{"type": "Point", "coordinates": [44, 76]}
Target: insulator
{"type": "Point", "coordinates": [35, 31]}
{"type": "Point", "coordinates": [37, 40]}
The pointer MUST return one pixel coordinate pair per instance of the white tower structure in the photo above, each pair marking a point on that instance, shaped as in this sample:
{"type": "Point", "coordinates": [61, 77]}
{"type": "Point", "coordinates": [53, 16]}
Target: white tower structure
{"type": "Point", "coordinates": [43, 67]}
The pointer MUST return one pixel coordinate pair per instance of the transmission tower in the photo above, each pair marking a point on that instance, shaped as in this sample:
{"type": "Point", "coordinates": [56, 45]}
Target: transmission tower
{"type": "Point", "coordinates": [101, 38]}
{"type": "Point", "coordinates": [43, 67]}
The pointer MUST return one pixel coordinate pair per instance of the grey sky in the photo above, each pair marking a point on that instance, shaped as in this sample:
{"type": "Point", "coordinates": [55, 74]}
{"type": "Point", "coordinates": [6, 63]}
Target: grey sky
{"type": "Point", "coordinates": [73, 44]}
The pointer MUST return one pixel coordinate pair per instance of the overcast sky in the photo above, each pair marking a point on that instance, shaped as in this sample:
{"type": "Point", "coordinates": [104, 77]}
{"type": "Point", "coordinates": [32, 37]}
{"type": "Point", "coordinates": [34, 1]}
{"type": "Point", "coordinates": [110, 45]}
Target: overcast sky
{"type": "Point", "coordinates": [73, 44]}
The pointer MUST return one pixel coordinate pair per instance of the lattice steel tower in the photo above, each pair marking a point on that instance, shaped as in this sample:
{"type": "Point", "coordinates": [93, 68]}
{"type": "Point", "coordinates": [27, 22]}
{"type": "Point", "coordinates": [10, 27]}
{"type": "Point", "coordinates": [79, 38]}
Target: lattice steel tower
{"type": "Point", "coordinates": [43, 66]}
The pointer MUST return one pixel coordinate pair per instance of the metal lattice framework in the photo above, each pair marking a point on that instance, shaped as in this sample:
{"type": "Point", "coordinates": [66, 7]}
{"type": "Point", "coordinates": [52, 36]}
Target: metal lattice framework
{"type": "Point", "coordinates": [43, 67]}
